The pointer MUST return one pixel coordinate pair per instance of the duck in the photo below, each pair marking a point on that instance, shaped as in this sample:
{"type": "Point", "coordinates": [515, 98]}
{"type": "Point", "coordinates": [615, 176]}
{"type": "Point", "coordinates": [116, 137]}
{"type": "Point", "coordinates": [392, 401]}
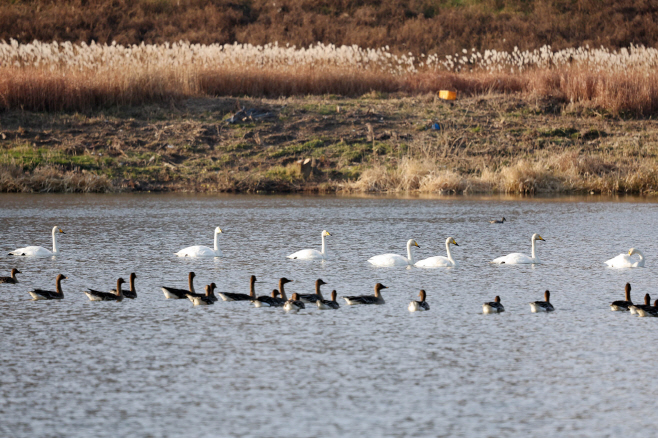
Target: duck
{"type": "Point", "coordinates": [635, 308]}
{"type": "Point", "coordinates": [440, 261]}
{"type": "Point", "coordinates": [11, 279]}
{"type": "Point", "coordinates": [312, 254]}
{"type": "Point", "coordinates": [542, 306]}
{"type": "Point", "coordinates": [495, 221]}
{"type": "Point", "coordinates": [518, 258]}
{"type": "Point", "coordinates": [651, 311]}
{"type": "Point", "coordinates": [116, 295]}
{"type": "Point", "coordinates": [493, 307]}
{"type": "Point", "coordinates": [294, 304]}
{"type": "Point", "coordinates": [617, 306]}
{"type": "Point", "coordinates": [268, 301]}
{"type": "Point", "coordinates": [39, 251]}
{"type": "Point", "coordinates": [367, 299]}
{"type": "Point", "coordinates": [132, 293]}
{"type": "Point", "coordinates": [328, 304]}
{"type": "Point", "coordinates": [204, 300]}
{"type": "Point", "coordinates": [417, 306]}
{"type": "Point", "coordinates": [202, 251]}
{"type": "Point", "coordinates": [58, 294]}
{"type": "Point", "coordinates": [211, 294]}
{"type": "Point", "coordinates": [625, 260]}
{"type": "Point", "coordinates": [228, 296]}
{"type": "Point", "coordinates": [172, 293]}
{"type": "Point", "coordinates": [313, 298]}
{"type": "Point", "coordinates": [388, 260]}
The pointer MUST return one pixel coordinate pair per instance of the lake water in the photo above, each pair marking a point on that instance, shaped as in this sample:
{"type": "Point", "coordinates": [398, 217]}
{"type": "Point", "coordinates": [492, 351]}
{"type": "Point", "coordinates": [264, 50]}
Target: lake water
{"type": "Point", "coordinates": [162, 368]}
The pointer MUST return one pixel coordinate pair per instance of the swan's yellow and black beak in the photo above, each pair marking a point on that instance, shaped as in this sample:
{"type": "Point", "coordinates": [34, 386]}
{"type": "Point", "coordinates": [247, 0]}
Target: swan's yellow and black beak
{"type": "Point", "coordinates": [454, 242]}
{"type": "Point", "coordinates": [60, 230]}
{"type": "Point", "coordinates": [416, 244]}
{"type": "Point", "coordinates": [540, 238]}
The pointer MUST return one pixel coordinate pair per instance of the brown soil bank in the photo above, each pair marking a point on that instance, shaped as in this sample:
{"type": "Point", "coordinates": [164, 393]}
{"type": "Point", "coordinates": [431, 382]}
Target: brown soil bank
{"type": "Point", "coordinates": [376, 143]}
{"type": "Point", "coordinates": [428, 26]}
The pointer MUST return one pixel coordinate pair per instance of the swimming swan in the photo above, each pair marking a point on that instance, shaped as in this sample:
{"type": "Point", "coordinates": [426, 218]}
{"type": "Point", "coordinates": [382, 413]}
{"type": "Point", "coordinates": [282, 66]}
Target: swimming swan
{"type": "Point", "coordinates": [517, 258]}
{"type": "Point", "coordinates": [311, 254]}
{"type": "Point", "coordinates": [440, 261]}
{"type": "Point", "coordinates": [202, 251]}
{"type": "Point", "coordinates": [386, 260]}
{"type": "Point", "coordinates": [39, 251]}
{"type": "Point", "coordinates": [625, 260]}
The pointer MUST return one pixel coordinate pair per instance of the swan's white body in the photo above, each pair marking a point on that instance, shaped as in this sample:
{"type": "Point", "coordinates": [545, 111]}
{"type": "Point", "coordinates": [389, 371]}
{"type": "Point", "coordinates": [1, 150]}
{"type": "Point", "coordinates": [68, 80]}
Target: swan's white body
{"type": "Point", "coordinates": [625, 260]}
{"type": "Point", "coordinates": [387, 260]}
{"type": "Point", "coordinates": [202, 251]}
{"type": "Point", "coordinates": [439, 261]}
{"type": "Point", "coordinates": [39, 251]}
{"type": "Point", "coordinates": [312, 254]}
{"type": "Point", "coordinates": [517, 258]}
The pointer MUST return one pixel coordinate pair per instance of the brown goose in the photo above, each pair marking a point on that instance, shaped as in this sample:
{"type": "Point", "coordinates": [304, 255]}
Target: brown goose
{"type": "Point", "coordinates": [617, 306]}
{"type": "Point", "coordinates": [117, 295]}
{"type": "Point", "coordinates": [493, 306]}
{"type": "Point", "coordinates": [265, 301]}
{"type": "Point", "coordinates": [12, 279]}
{"type": "Point", "coordinates": [40, 294]}
{"type": "Point", "coordinates": [204, 300]}
{"type": "Point", "coordinates": [328, 304]}
{"type": "Point", "coordinates": [648, 311]}
{"type": "Point", "coordinates": [172, 293]}
{"type": "Point", "coordinates": [495, 221]}
{"type": "Point", "coordinates": [228, 296]}
{"type": "Point", "coordinates": [421, 305]}
{"type": "Point", "coordinates": [132, 293]}
{"type": "Point", "coordinates": [368, 299]}
{"type": "Point", "coordinates": [634, 308]}
{"type": "Point", "coordinates": [542, 306]}
{"type": "Point", "coordinates": [294, 304]}
{"type": "Point", "coordinates": [313, 298]}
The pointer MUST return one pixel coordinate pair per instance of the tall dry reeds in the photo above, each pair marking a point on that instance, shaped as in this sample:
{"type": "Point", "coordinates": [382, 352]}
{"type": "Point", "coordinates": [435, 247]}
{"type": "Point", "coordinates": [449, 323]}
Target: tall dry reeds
{"type": "Point", "coordinates": [53, 77]}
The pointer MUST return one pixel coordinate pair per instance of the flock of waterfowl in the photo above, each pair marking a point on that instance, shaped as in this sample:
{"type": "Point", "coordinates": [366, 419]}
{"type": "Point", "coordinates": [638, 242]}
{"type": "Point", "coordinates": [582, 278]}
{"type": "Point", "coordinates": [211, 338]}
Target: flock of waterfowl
{"type": "Point", "coordinates": [297, 301]}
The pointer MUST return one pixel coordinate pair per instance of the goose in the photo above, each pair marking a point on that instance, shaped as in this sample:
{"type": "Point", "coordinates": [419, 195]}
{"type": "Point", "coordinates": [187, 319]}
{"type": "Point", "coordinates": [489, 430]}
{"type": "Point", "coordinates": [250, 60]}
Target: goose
{"type": "Point", "coordinates": [635, 308]}
{"type": "Point", "coordinates": [493, 307]}
{"type": "Point", "coordinates": [312, 254]}
{"type": "Point", "coordinates": [328, 304]}
{"type": "Point", "coordinates": [417, 306]}
{"type": "Point", "coordinates": [282, 291]}
{"type": "Point", "coordinates": [172, 293]}
{"type": "Point", "coordinates": [40, 294]}
{"type": "Point", "coordinates": [211, 294]}
{"type": "Point", "coordinates": [39, 251]}
{"type": "Point", "coordinates": [313, 298]}
{"type": "Point", "coordinates": [518, 258]}
{"type": "Point", "coordinates": [623, 305]}
{"type": "Point", "coordinates": [265, 301]}
{"type": "Point", "coordinates": [651, 311]}
{"type": "Point", "coordinates": [204, 300]}
{"type": "Point", "coordinates": [440, 261]}
{"type": "Point", "coordinates": [117, 295]}
{"type": "Point", "coordinates": [12, 279]}
{"type": "Point", "coordinates": [202, 251]}
{"type": "Point", "coordinates": [387, 260]}
{"type": "Point", "coordinates": [625, 260]}
{"type": "Point", "coordinates": [495, 221]}
{"type": "Point", "coordinates": [293, 304]}
{"type": "Point", "coordinates": [227, 296]}
{"type": "Point", "coordinates": [132, 293]}
{"type": "Point", "coordinates": [367, 299]}
{"type": "Point", "coordinates": [542, 306]}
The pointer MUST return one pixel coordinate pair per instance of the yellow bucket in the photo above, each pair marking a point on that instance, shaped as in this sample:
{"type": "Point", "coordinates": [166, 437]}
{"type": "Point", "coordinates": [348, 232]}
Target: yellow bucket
{"type": "Point", "coordinates": [448, 95]}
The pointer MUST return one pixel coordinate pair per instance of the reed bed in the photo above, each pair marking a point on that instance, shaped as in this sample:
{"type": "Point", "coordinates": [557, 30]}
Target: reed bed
{"type": "Point", "coordinates": [65, 76]}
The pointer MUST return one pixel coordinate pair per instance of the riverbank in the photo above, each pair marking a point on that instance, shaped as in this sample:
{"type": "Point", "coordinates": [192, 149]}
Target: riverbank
{"type": "Point", "coordinates": [375, 143]}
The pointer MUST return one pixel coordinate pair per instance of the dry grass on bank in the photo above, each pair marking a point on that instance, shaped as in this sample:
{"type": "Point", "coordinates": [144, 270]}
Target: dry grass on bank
{"type": "Point", "coordinates": [49, 179]}
{"type": "Point", "coordinates": [56, 77]}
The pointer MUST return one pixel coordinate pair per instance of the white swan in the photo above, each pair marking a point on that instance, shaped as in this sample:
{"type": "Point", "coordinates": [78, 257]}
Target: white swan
{"type": "Point", "coordinates": [395, 259]}
{"type": "Point", "coordinates": [440, 261]}
{"type": "Point", "coordinates": [312, 254]}
{"type": "Point", "coordinates": [517, 258]}
{"type": "Point", "coordinates": [39, 251]}
{"type": "Point", "coordinates": [625, 260]}
{"type": "Point", "coordinates": [202, 251]}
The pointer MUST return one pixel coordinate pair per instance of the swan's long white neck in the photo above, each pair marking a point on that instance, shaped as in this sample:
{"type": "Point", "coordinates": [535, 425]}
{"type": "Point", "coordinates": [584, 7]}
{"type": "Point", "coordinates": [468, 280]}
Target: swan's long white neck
{"type": "Point", "coordinates": [410, 255]}
{"type": "Point", "coordinates": [448, 251]}
{"type": "Point", "coordinates": [217, 250]}
{"type": "Point", "coordinates": [323, 246]}
{"type": "Point", "coordinates": [640, 263]}
{"type": "Point", "coordinates": [534, 256]}
{"type": "Point", "coordinates": [55, 241]}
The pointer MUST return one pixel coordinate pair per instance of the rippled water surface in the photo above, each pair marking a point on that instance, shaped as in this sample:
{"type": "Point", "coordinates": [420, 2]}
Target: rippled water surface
{"type": "Point", "coordinates": [155, 367]}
